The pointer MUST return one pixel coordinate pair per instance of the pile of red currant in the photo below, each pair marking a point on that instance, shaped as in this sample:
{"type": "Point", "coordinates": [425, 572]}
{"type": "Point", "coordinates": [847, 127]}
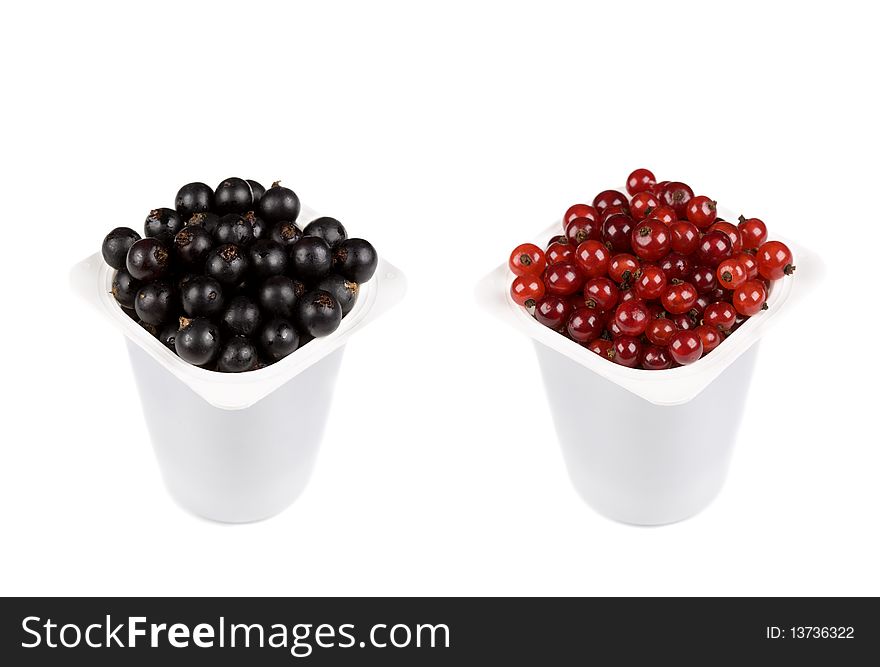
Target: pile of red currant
{"type": "Point", "coordinates": [654, 280]}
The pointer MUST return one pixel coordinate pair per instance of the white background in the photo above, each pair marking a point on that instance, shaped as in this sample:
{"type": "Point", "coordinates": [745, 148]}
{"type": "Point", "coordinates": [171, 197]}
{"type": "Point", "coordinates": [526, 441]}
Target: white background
{"type": "Point", "coordinates": [445, 134]}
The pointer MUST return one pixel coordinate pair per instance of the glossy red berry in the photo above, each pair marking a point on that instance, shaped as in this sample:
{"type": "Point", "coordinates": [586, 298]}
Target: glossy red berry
{"type": "Point", "coordinates": [608, 198]}
{"type": "Point", "coordinates": [604, 348]}
{"type": "Point", "coordinates": [660, 331]}
{"type": "Point", "coordinates": [684, 321]}
{"type": "Point", "coordinates": [615, 210]}
{"type": "Point", "coordinates": [553, 312]}
{"type": "Point", "coordinates": [676, 195]}
{"type": "Point", "coordinates": [527, 260]}
{"type": "Point", "coordinates": [639, 180]}
{"type": "Point", "coordinates": [664, 214]}
{"type": "Point", "coordinates": [584, 325]}
{"type": "Point", "coordinates": [616, 232]}
{"type": "Point", "coordinates": [592, 258]}
{"type": "Point", "coordinates": [559, 238]}
{"type": "Point", "coordinates": [601, 293]}
{"type": "Point", "coordinates": [732, 232]}
{"type": "Point", "coordinates": [559, 252]}
{"type": "Point", "coordinates": [750, 298]}
{"type": "Point", "coordinates": [703, 279]}
{"type": "Point", "coordinates": [684, 237]}
{"type": "Point", "coordinates": [526, 290]}
{"type": "Point", "coordinates": [659, 188]}
{"type": "Point", "coordinates": [579, 230]}
{"type": "Point", "coordinates": [642, 205]}
{"type": "Point", "coordinates": [731, 274]}
{"type": "Point", "coordinates": [580, 211]}
{"type": "Point", "coordinates": [685, 347]}
{"type": "Point", "coordinates": [710, 337]}
{"type": "Point", "coordinates": [714, 248]}
{"type": "Point", "coordinates": [651, 284]}
{"type": "Point", "coordinates": [627, 295]}
{"type": "Point", "coordinates": [563, 279]}
{"type": "Point", "coordinates": [680, 298]}
{"type": "Point", "coordinates": [632, 317]}
{"type": "Point", "coordinates": [748, 260]}
{"type": "Point", "coordinates": [720, 315]}
{"type": "Point", "coordinates": [627, 351]}
{"type": "Point", "coordinates": [774, 260]}
{"type": "Point", "coordinates": [656, 358]}
{"type": "Point", "coordinates": [676, 267]}
{"type": "Point", "coordinates": [753, 232]}
{"type": "Point", "coordinates": [622, 268]}
{"type": "Point", "coordinates": [650, 240]}
{"type": "Point", "coordinates": [701, 211]}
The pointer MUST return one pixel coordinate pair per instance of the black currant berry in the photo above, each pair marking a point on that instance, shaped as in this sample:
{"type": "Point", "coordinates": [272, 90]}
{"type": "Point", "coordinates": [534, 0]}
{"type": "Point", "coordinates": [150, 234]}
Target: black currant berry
{"type": "Point", "coordinates": [124, 288]}
{"type": "Point", "coordinates": [279, 203]}
{"type": "Point", "coordinates": [257, 191]}
{"type": "Point", "coordinates": [148, 259]}
{"type": "Point", "coordinates": [233, 196]}
{"type": "Point", "coordinates": [257, 224]}
{"type": "Point", "coordinates": [277, 295]}
{"type": "Point", "coordinates": [317, 313]}
{"type": "Point", "coordinates": [151, 329]}
{"type": "Point", "coordinates": [344, 291]}
{"type": "Point", "coordinates": [207, 220]}
{"type": "Point", "coordinates": [227, 264]}
{"type": "Point", "coordinates": [192, 245]}
{"type": "Point", "coordinates": [116, 244]}
{"type": "Point", "coordinates": [278, 338]}
{"type": "Point", "coordinates": [197, 341]}
{"type": "Point", "coordinates": [168, 334]}
{"type": "Point", "coordinates": [163, 224]}
{"type": "Point", "coordinates": [237, 356]}
{"type": "Point", "coordinates": [267, 258]}
{"type": "Point", "coordinates": [154, 303]}
{"type": "Point", "coordinates": [202, 297]}
{"type": "Point", "coordinates": [329, 229]}
{"type": "Point", "coordinates": [286, 233]}
{"type": "Point", "coordinates": [355, 259]}
{"type": "Point", "coordinates": [242, 316]}
{"type": "Point", "coordinates": [310, 258]}
{"type": "Point", "coordinates": [194, 198]}
{"type": "Point", "coordinates": [232, 228]}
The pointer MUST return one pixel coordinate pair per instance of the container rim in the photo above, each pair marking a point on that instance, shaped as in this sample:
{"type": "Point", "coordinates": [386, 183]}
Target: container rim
{"type": "Point", "coordinates": [673, 386]}
{"type": "Point", "coordinates": [92, 278]}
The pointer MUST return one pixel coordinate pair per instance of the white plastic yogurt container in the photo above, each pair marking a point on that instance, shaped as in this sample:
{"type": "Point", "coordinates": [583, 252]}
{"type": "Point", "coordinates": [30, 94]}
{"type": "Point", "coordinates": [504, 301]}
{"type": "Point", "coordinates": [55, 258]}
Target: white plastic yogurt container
{"type": "Point", "coordinates": [237, 447]}
{"type": "Point", "coordinates": [645, 458]}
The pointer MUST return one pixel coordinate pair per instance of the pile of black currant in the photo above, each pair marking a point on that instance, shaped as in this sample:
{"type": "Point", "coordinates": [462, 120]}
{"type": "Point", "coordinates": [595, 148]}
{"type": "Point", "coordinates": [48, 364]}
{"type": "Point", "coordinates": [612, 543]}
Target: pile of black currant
{"type": "Point", "coordinates": [228, 281]}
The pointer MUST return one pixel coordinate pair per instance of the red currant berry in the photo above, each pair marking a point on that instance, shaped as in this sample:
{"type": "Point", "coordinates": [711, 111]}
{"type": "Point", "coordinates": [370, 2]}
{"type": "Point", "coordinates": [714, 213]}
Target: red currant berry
{"type": "Point", "coordinates": [655, 310]}
{"type": "Point", "coordinates": [659, 188]}
{"type": "Point", "coordinates": [703, 279]}
{"type": "Point", "coordinates": [526, 290]}
{"type": "Point", "coordinates": [774, 260]}
{"type": "Point", "coordinates": [750, 298]}
{"type": "Point", "coordinates": [601, 293]}
{"type": "Point", "coordinates": [684, 321]}
{"type": "Point", "coordinates": [608, 198]}
{"type": "Point", "coordinates": [679, 298]}
{"type": "Point", "coordinates": [642, 205]}
{"type": "Point", "coordinates": [710, 337]}
{"type": "Point", "coordinates": [650, 240]}
{"type": "Point", "coordinates": [731, 273]}
{"type": "Point", "coordinates": [651, 283]}
{"type": "Point", "coordinates": [656, 358]}
{"type": "Point", "coordinates": [553, 312]}
{"type": "Point", "coordinates": [616, 232]}
{"type": "Point", "coordinates": [593, 259]}
{"type": "Point", "coordinates": [627, 351]}
{"type": "Point", "coordinates": [684, 237]}
{"type": "Point", "coordinates": [628, 295]}
{"type": "Point", "coordinates": [731, 231]}
{"type": "Point", "coordinates": [701, 211]}
{"type": "Point", "coordinates": [677, 195]}
{"type": "Point", "coordinates": [584, 325]}
{"type": "Point", "coordinates": [714, 248]}
{"type": "Point", "coordinates": [676, 267]}
{"type": "Point", "coordinates": [622, 268]}
{"type": "Point", "coordinates": [580, 211]}
{"type": "Point", "coordinates": [685, 347]}
{"type": "Point", "coordinates": [563, 279]}
{"type": "Point", "coordinates": [640, 180]}
{"type": "Point", "coordinates": [559, 238]}
{"type": "Point", "coordinates": [753, 232]}
{"type": "Point", "coordinates": [748, 260]}
{"type": "Point", "coordinates": [527, 260]}
{"type": "Point", "coordinates": [579, 230]}
{"type": "Point", "coordinates": [604, 348]}
{"type": "Point", "coordinates": [614, 210]}
{"type": "Point", "coordinates": [559, 252]}
{"type": "Point", "coordinates": [720, 315]}
{"type": "Point", "coordinates": [664, 214]}
{"type": "Point", "coordinates": [612, 328]}
{"type": "Point", "coordinates": [632, 317]}
{"type": "Point", "coordinates": [660, 331]}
